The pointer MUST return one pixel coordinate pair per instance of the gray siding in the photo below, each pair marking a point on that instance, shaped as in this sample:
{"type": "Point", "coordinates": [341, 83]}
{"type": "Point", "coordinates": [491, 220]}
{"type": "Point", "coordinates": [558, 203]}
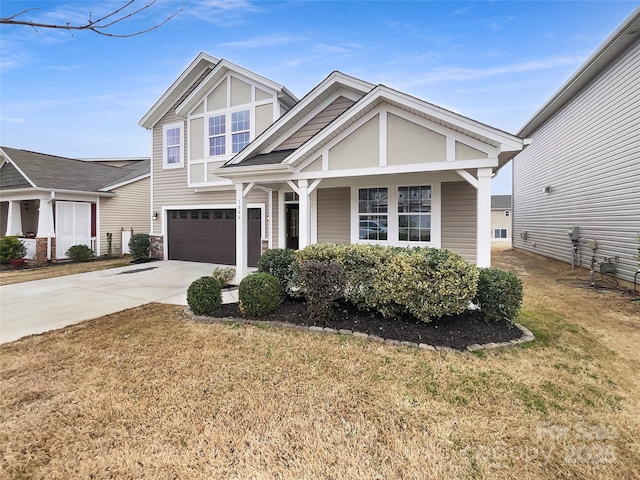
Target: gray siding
{"type": "Point", "coordinates": [589, 154]}
{"type": "Point", "coordinates": [334, 213]}
{"type": "Point", "coordinates": [459, 219]}
{"type": "Point", "coordinates": [4, 214]}
{"type": "Point", "coordinates": [317, 123]}
{"type": "Point", "coordinates": [10, 177]}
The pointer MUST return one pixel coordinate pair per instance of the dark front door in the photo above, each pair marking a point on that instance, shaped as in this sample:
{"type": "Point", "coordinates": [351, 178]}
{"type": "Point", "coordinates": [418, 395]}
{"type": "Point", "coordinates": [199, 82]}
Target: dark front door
{"type": "Point", "coordinates": [293, 225]}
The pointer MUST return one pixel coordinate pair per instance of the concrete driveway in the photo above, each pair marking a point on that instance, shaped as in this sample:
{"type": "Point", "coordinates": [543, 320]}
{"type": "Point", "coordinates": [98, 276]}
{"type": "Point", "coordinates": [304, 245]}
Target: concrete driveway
{"type": "Point", "coordinates": [39, 306]}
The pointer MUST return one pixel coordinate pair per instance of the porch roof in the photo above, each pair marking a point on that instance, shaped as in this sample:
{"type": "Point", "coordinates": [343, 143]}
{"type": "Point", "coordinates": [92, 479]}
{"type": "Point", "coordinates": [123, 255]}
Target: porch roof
{"type": "Point", "coordinates": [45, 171]}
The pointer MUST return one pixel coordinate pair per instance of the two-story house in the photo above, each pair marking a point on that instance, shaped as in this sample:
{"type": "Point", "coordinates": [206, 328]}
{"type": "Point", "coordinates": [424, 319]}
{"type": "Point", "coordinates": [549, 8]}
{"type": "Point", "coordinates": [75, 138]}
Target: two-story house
{"type": "Point", "coordinates": [238, 163]}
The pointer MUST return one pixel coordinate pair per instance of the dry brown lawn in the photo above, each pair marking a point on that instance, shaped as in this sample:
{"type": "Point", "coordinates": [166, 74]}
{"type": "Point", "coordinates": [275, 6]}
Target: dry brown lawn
{"type": "Point", "coordinates": [8, 277]}
{"type": "Point", "coordinates": [149, 393]}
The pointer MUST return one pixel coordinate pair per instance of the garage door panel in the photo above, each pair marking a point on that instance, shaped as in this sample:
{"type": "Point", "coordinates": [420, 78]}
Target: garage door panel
{"type": "Point", "coordinates": [210, 236]}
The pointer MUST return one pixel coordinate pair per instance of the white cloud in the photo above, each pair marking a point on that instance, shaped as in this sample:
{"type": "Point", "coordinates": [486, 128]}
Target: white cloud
{"type": "Point", "coordinates": [264, 41]}
{"type": "Point", "coordinates": [12, 120]}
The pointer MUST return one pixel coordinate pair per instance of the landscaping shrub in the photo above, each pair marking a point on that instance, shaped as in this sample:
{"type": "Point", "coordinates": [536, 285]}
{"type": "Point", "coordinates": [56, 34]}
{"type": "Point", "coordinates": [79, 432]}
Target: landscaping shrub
{"type": "Point", "coordinates": [139, 246]}
{"type": "Point", "coordinates": [277, 262]}
{"type": "Point", "coordinates": [322, 284]}
{"type": "Point", "coordinates": [80, 253]}
{"type": "Point", "coordinates": [424, 282]}
{"type": "Point", "coordinates": [224, 276]}
{"type": "Point", "coordinates": [11, 248]}
{"type": "Point", "coordinates": [259, 294]}
{"type": "Point", "coordinates": [204, 296]}
{"type": "Point", "coordinates": [499, 295]}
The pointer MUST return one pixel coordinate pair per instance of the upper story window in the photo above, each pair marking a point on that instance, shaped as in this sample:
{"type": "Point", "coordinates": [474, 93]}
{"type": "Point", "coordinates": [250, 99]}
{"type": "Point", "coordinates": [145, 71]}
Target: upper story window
{"type": "Point", "coordinates": [217, 131]}
{"type": "Point", "coordinates": [172, 156]}
{"type": "Point", "coordinates": [240, 130]}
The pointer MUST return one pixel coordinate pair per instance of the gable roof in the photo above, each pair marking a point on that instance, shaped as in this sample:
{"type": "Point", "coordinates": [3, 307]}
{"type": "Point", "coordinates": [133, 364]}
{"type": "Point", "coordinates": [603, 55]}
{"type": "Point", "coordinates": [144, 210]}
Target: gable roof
{"type": "Point", "coordinates": [334, 82]}
{"type": "Point", "coordinates": [178, 88]}
{"type": "Point", "coordinates": [217, 73]}
{"type": "Point", "coordinates": [500, 202]}
{"type": "Point", "coordinates": [381, 94]}
{"type": "Point", "coordinates": [51, 172]}
{"type": "Point", "coordinates": [625, 35]}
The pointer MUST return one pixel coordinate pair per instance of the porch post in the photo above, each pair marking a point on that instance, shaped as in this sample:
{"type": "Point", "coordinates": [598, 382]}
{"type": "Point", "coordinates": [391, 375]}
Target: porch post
{"type": "Point", "coordinates": [45, 219]}
{"type": "Point", "coordinates": [303, 238]}
{"type": "Point", "coordinates": [14, 219]}
{"type": "Point", "coordinates": [241, 233]}
{"type": "Point", "coordinates": [483, 224]}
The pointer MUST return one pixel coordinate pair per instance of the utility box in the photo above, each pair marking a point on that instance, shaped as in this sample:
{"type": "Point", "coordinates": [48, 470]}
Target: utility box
{"type": "Point", "coordinates": [574, 233]}
{"type": "Point", "coordinates": [607, 267]}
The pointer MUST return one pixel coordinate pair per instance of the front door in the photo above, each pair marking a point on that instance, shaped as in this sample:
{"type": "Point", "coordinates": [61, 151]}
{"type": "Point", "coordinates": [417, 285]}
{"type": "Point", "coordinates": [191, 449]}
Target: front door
{"type": "Point", "coordinates": [293, 225]}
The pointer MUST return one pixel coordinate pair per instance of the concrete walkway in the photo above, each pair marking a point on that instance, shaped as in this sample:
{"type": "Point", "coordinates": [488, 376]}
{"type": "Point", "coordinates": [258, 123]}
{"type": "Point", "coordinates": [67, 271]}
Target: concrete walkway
{"type": "Point", "coordinates": [39, 306]}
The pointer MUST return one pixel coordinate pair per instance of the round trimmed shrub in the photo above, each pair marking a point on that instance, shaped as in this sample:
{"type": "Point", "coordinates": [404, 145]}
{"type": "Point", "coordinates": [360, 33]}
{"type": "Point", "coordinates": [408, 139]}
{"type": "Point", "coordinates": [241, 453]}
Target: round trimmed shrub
{"type": "Point", "coordinates": [322, 284]}
{"type": "Point", "coordinates": [139, 246]}
{"type": "Point", "coordinates": [204, 296]}
{"type": "Point", "coordinates": [499, 295]}
{"type": "Point", "coordinates": [80, 253]}
{"type": "Point", "coordinates": [259, 294]}
{"type": "Point", "coordinates": [277, 262]}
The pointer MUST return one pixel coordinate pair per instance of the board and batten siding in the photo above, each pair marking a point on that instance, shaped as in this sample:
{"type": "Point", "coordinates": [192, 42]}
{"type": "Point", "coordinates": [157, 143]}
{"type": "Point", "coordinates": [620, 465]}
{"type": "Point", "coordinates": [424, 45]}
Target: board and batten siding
{"type": "Point", "coordinates": [129, 211]}
{"type": "Point", "coordinates": [589, 156]}
{"type": "Point", "coordinates": [458, 209]}
{"type": "Point", "coordinates": [334, 215]}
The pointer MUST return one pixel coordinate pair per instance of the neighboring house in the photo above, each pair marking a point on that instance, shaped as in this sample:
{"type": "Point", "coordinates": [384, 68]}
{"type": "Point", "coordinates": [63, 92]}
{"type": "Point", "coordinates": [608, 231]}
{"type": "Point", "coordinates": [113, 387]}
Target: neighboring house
{"type": "Point", "coordinates": [500, 217]}
{"type": "Point", "coordinates": [55, 202]}
{"type": "Point", "coordinates": [582, 168]}
{"type": "Point", "coordinates": [239, 165]}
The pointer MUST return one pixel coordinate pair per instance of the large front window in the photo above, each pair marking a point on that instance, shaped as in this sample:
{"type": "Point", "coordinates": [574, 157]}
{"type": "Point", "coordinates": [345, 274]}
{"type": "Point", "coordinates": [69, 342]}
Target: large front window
{"type": "Point", "coordinates": [414, 214]}
{"type": "Point", "coordinates": [240, 127]}
{"type": "Point", "coordinates": [373, 205]}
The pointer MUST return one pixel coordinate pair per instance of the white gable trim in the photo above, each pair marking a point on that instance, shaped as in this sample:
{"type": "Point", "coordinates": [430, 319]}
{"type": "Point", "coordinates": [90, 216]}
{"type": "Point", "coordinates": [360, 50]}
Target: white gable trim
{"type": "Point", "coordinates": [264, 139]}
{"type": "Point", "coordinates": [126, 182]}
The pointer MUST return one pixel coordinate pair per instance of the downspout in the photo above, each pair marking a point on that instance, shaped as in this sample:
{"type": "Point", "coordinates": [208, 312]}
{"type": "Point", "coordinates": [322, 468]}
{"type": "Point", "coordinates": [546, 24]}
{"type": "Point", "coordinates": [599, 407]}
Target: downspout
{"type": "Point", "coordinates": [51, 199]}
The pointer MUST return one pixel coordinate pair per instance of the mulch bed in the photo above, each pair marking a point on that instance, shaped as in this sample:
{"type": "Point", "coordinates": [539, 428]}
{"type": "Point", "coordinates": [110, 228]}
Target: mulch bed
{"type": "Point", "coordinates": [457, 332]}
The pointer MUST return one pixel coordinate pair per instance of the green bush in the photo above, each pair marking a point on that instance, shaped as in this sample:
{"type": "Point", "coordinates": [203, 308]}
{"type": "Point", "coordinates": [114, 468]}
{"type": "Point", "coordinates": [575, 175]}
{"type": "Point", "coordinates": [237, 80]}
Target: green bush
{"type": "Point", "coordinates": [322, 284]}
{"type": "Point", "coordinates": [204, 296]}
{"type": "Point", "coordinates": [11, 248]}
{"type": "Point", "coordinates": [259, 294]}
{"type": "Point", "coordinates": [224, 276]}
{"type": "Point", "coordinates": [277, 262]}
{"type": "Point", "coordinates": [499, 295]}
{"type": "Point", "coordinates": [424, 282]}
{"type": "Point", "coordinates": [139, 246]}
{"type": "Point", "coordinates": [80, 253]}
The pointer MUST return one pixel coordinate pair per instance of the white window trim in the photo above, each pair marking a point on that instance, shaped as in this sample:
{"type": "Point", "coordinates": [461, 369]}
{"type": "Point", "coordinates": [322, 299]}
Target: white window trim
{"type": "Point", "coordinates": [392, 215]}
{"type": "Point", "coordinates": [170, 126]}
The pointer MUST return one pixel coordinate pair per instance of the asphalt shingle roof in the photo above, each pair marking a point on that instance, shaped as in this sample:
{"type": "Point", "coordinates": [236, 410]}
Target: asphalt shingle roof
{"type": "Point", "coordinates": [501, 202]}
{"type": "Point", "coordinates": [60, 173]}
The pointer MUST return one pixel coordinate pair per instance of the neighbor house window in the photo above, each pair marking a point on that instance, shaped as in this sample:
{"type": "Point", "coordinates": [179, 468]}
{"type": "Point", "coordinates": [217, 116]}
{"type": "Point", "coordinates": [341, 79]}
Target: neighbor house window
{"type": "Point", "coordinates": [373, 213]}
{"type": "Point", "coordinates": [240, 128]}
{"type": "Point", "coordinates": [414, 214]}
{"type": "Point", "coordinates": [217, 130]}
{"type": "Point", "coordinates": [172, 156]}
{"type": "Point", "coordinates": [500, 233]}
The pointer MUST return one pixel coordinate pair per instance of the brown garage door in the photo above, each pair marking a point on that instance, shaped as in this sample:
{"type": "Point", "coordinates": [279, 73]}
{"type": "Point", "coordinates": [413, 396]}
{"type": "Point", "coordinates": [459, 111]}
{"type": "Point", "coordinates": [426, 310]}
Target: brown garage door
{"type": "Point", "coordinates": [210, 236]}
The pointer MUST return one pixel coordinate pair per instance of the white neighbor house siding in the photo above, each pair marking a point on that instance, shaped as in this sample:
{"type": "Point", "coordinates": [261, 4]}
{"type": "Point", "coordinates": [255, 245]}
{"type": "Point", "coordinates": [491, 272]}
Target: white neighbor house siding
{"type": "Point", "coordinates": [589, 156]}
{"type": "Point", "coordinates": [129, 210]}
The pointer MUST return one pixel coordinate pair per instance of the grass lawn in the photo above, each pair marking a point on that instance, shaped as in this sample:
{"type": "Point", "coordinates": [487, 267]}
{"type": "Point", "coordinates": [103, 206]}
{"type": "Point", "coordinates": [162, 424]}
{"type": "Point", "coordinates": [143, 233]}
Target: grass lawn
{"type": "Point", "coordinates": [148, 393]}
{"type": "Point", "coordinates": [9, 276]}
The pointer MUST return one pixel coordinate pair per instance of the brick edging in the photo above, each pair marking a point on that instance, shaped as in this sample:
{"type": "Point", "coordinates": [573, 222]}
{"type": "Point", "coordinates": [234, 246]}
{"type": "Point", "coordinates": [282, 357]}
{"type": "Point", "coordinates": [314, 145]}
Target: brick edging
{"type": "Point", "coordinates": [527, 336]}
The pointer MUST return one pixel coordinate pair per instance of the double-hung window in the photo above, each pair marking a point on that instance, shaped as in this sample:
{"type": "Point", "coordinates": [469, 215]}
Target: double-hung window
{"type": "Point", "coordinates": [373, 206]}
{"type": "Point", "coordinates": [217, 131]}
{"type": "Point", "coordinates": [240, 130]}
{"type": "Point", "coordinates": [172, 146]}
{"type": "Point", "coordinates": [414, 214]}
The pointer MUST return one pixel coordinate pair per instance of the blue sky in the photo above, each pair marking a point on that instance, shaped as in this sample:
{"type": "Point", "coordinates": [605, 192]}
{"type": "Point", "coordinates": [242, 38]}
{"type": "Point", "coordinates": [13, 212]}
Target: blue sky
{"type": "Point", "coordinates": [82, 95]}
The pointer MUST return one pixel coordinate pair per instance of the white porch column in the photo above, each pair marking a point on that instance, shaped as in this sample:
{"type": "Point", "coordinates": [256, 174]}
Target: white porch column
{"type": "Point", "coordinates": [45, 219]}
{"type": "Point", "coordinates": [483, 224]}
{"type": "Point", "coordinates": [305, 223]}
{"type": "Point", "coordinates": [14, 219]}
{"type": "Point", "coordinates": [241, 233]}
